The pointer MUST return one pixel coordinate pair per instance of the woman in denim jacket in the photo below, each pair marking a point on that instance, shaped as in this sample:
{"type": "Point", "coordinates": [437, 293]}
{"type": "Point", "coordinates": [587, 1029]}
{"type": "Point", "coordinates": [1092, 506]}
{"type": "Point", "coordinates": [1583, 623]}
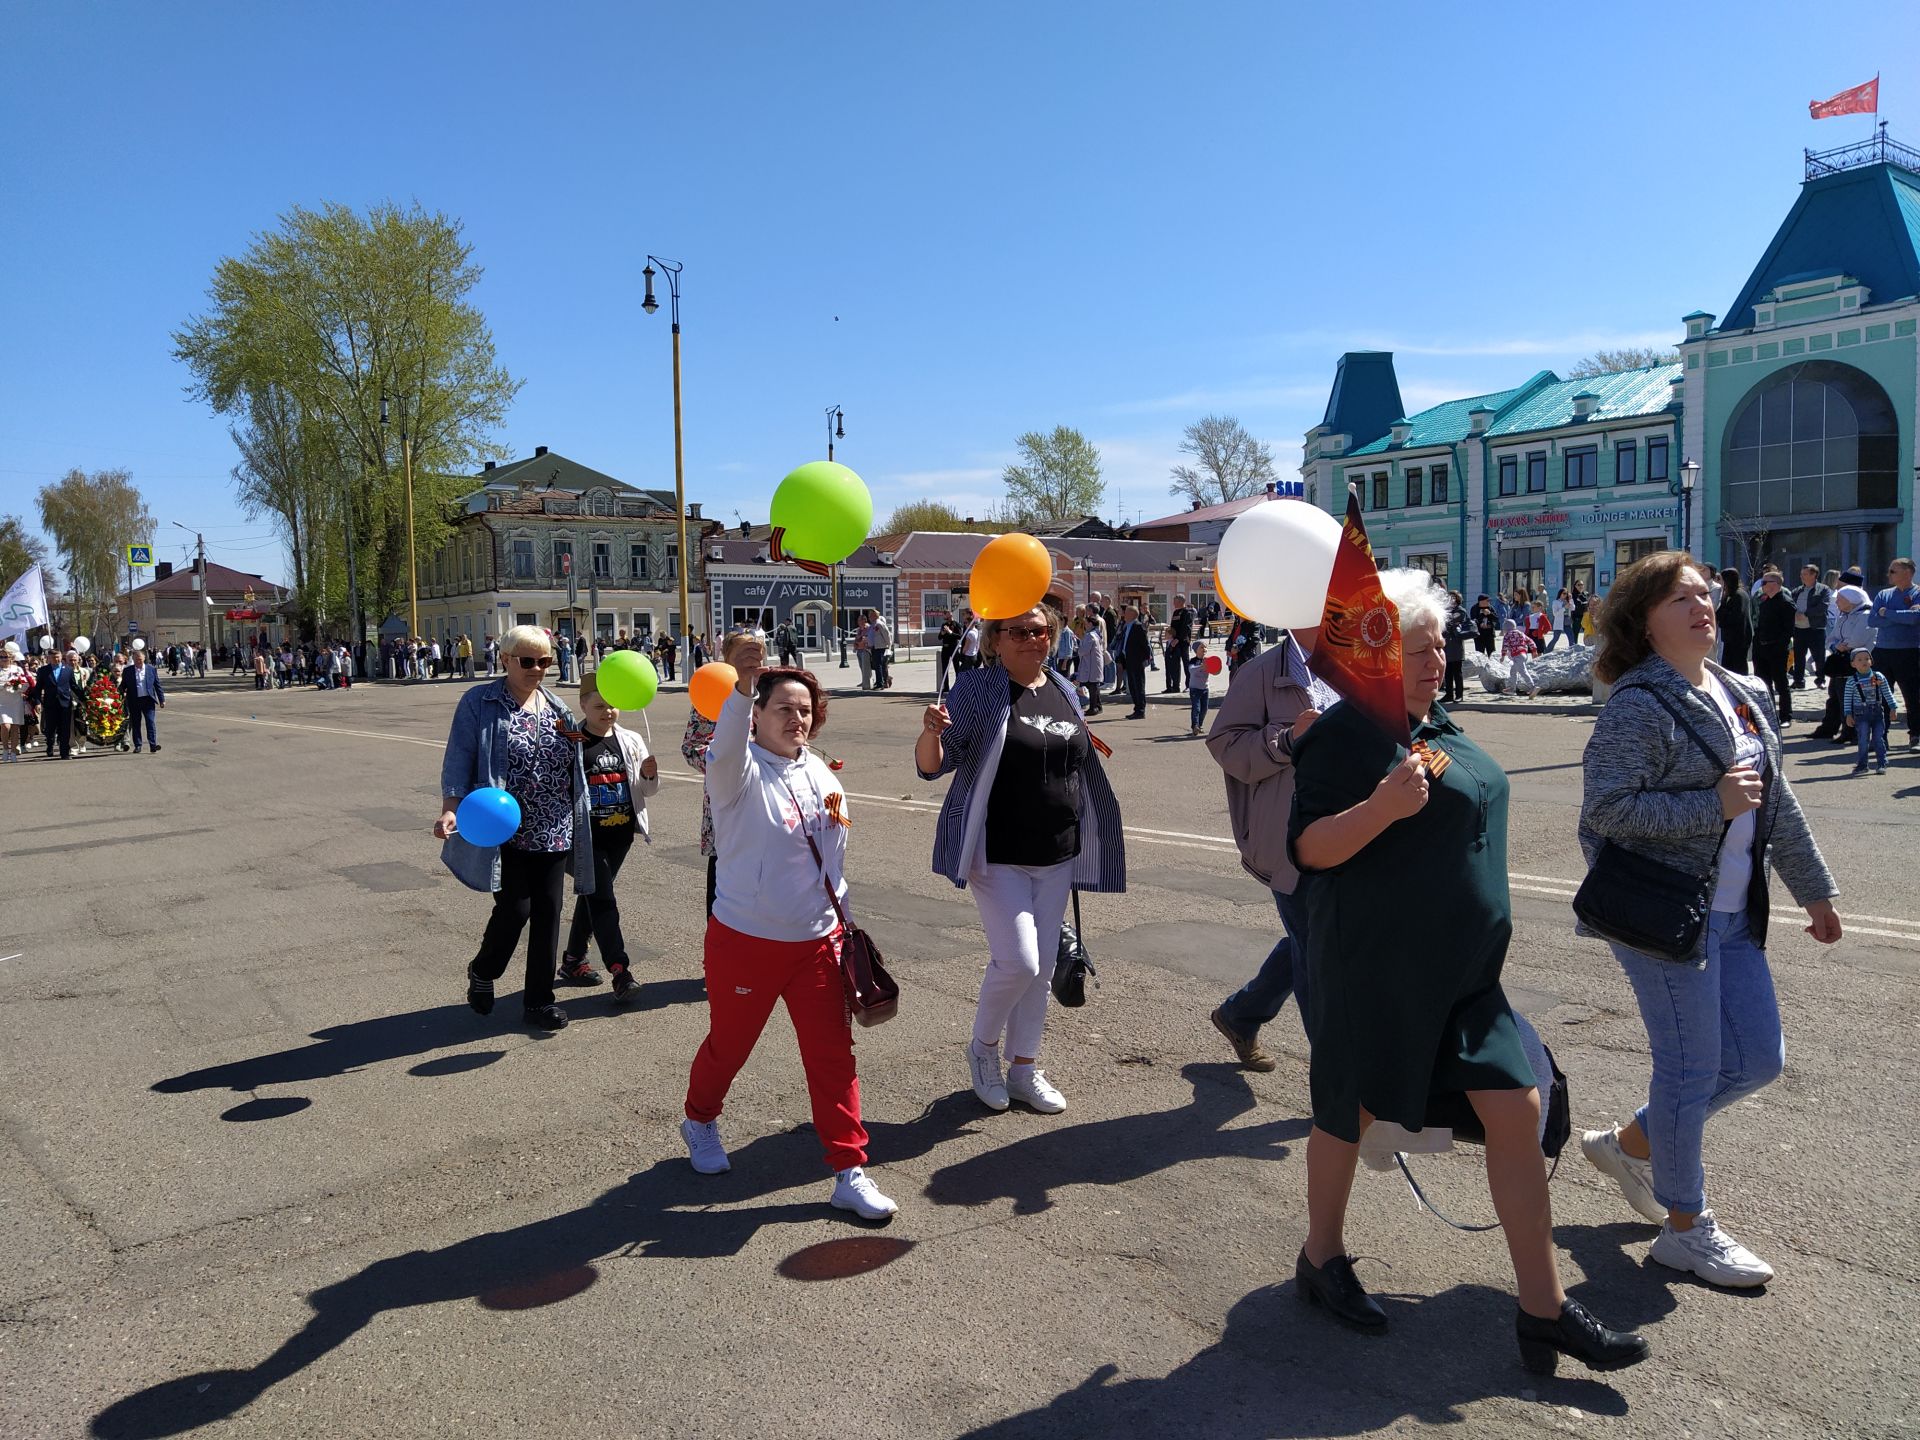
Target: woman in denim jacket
{"type": "Point", "coordinates": [514, 734]}
{"type": "Point", "coordinates": [1652, 787]}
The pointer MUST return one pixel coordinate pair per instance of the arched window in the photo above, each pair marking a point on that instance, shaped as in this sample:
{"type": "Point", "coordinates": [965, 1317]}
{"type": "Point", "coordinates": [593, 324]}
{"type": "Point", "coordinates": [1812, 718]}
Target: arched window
{"type": "Point", "coordinates": [601, 502]}
{"type": "Point", "coordinates": [1815, 438]}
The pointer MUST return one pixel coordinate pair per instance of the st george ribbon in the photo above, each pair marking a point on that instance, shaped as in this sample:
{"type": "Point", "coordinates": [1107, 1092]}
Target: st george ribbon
{"type": "Point", "coordinates": [1359, 649]}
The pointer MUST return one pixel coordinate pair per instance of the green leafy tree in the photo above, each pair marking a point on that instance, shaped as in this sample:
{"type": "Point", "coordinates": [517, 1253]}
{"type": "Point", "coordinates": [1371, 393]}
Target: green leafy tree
{"type": "Point", "coordinates": [91, 517]}
{"type": "Point", "coordinates": [20, 549]}
{"type": "Point", "coordinates": [1609, 362]}
{"type": "Point", "coordinates": [292, 468]}
{"type": "Point", "coordinates": [1228, 463]}
{"type": "Point", "coordinates": [1058, 477]}
{"type": "Point", "coordinates": [354, 317]}
{"type": "Point", "coordinates": [922, 515]}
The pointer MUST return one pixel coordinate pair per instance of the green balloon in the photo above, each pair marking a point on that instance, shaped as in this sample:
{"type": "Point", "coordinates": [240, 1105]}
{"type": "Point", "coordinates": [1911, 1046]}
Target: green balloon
{"type": "Point", "coordinates": [627, 680]}
{"type": "Point", "coordinates": [826, 510]}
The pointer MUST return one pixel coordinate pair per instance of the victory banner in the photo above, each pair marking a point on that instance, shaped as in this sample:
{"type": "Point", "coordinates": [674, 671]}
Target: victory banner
{"type": "Point", "coordinates": [1359, 649]}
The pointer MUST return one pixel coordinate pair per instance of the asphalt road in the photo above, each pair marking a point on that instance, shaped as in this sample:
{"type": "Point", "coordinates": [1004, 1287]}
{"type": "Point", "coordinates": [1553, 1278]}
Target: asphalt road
{"type": "Point", "coordinates": [266, 1175]}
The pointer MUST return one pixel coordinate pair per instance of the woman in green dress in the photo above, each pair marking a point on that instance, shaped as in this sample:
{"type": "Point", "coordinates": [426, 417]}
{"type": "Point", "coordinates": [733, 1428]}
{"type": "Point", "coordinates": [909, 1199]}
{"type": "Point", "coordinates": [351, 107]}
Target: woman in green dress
{"type": "Point", "coordinates": [1403, 859]}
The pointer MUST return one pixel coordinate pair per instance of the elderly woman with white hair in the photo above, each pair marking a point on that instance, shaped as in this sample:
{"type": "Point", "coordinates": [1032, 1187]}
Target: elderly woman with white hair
{"type": "Point", "coordinates": [513, 734]}
{"type": "Point", "coordinates": [1403, 861]}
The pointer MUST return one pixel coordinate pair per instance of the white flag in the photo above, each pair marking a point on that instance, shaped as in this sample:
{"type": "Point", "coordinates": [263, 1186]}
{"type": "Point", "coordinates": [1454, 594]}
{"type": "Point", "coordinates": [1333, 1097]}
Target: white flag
{"type": "Point", "coordinates": [24, 606]}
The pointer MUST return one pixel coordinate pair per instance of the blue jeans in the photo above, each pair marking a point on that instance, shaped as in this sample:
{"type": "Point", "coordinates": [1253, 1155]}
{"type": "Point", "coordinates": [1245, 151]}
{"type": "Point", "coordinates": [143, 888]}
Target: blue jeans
{"type": "Point", "coordinates": [1715, 1036]}
{"type": "Point", "coordinates": [1198, 699]}
{"type": "Point", "coordinates": [1870, 729]}
{"type": "Point", "coordinates": [1262, 997]}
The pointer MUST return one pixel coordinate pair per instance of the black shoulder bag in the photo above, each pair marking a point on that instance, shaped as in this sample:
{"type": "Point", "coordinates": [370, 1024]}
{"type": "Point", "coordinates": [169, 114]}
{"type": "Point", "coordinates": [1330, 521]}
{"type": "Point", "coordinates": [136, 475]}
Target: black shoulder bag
{"type": "Point", "coordinates": [1071, 963]}
{"type": "Point", "coordinates": [1643, 903]}
{"type": "Point", "coordinates": [873, 996]}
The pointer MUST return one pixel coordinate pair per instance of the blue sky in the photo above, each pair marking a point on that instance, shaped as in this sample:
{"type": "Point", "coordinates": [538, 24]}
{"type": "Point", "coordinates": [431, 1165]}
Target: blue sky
{"type": "Point", "coordinates": [959, 222]}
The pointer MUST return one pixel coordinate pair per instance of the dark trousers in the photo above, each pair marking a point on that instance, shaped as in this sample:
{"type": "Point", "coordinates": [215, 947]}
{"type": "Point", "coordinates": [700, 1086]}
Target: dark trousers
{"type": "Point", "coordinates": [141, 709]}
{"type": "Point", "coordinates": [531, 887]}
{"type": "Point", "coordinates": [1456, 677]}
{"type": "Point", "coordinates": [1808, 646]}
{"type": "Point", "coordinates": [881, 659]}
{"type": "Point", "coordinates": [1902, 669]}
{"type": "Point", "coordinates": [1282, 973]}
{"type": "Point", "coordinates": [1770, 667]}
{"type": "Point", "coordinates": [56, 728]}
{"type": "Point", "coordinates": [1137, 685]}
{"type": "Point", "coordinates": [598, 914]}
{"type": "Point", "coordinates": [1830, 719]}
{"type": "Point", "coordinates": [1176, 665]}
{"type": "Point", "coordinates": [1092, 687]}
{"type": "Point", "coordinates": [946, 660]}
{"type": "Point", "coordinates": [1483, 642]}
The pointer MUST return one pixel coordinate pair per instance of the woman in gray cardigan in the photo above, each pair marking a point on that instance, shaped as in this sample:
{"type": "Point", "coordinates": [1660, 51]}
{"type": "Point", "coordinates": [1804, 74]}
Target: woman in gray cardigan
{"type": "Point", "coordinates": [1684, 767]}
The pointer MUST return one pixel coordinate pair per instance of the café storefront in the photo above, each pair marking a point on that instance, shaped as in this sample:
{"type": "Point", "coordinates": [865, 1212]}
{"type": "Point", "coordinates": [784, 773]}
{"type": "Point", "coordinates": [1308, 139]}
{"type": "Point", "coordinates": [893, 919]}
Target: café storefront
{"type": "Point", "coordinates": [762, 596]}
{"type": "Point", "coordinates": [1546, 549]}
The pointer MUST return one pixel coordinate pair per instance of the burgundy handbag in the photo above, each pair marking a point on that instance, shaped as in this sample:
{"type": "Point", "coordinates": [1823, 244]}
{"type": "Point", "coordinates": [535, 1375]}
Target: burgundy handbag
{"type": "Point", "coordinates": [873, 996]}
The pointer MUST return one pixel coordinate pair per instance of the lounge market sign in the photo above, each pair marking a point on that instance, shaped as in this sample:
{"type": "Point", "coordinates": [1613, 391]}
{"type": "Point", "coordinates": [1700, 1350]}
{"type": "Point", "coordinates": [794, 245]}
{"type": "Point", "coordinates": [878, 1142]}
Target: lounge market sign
{"type": "Point", "coordinates": [1587, 519]}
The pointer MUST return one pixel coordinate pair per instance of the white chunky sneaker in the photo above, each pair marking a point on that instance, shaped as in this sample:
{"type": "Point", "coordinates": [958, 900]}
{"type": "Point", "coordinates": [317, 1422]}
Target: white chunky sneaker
{"type": "Point", "coordinates": [709, 1156]}
{"type": "Point", "coordinates": [854, 1190]}
{"type": "Point", "coordinates": [1029, 1085]}
{"type": "Point", "coordinates": [1711, 1253]}
{"type": "Point", "coordinates": [1634, 1177]}
{"type": "Point", "coordinates": [987, 1084]}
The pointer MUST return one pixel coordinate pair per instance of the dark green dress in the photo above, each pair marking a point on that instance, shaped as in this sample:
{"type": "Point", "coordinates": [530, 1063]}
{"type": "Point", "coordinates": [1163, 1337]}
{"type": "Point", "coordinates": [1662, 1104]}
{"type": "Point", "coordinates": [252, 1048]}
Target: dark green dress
{"type": "Point", "coordinates": [1405, 941]}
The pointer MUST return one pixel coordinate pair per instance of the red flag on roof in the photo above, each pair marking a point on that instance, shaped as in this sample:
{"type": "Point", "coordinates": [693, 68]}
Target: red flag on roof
{"type": "Point", "coordinates": [1860, 100]}
{"type": "Point", "coordinates": [1359, 649]}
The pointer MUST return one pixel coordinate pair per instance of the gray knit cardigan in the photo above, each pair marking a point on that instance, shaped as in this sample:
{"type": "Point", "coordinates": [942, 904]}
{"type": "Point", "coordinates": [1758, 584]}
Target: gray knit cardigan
{"type": "Point", "coordinates": [1649, 788]}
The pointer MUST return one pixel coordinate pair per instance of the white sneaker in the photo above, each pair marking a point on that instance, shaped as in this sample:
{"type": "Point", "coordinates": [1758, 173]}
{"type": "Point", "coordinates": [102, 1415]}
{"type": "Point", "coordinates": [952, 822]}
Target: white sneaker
{"type": "Point", "coordinates": [1711, 1253]}
{"type": "Point", "coordinates": [1029, 1085]}
{"type": "Point", "coordinates": [1634, 1177]}
{"type": "Point", "coordinates": [709, 1156]}
{"type": "Point", "coordinates": [987, 1083]}
{"type": "Point", "coordinates": [854, 1190]}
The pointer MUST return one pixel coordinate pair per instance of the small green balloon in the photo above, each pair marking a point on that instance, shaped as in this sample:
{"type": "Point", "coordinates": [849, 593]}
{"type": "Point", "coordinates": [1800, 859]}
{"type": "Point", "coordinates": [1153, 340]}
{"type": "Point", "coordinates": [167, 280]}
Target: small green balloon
{"type": "Point", "coordinates": [627, 680]}
{"type": "Point", "coordinates": [826, 510]}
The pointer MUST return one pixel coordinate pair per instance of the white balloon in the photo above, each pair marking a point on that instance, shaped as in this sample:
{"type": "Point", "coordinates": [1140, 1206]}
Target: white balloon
{"type": "Point", "coordinates": [139, 644]}
{"type": "Point", "coordinates": [46, 642]}
{"type": "Point", "coordinates": [1276, 561]}
{"type": "Point", "coordinates": [82, 644]}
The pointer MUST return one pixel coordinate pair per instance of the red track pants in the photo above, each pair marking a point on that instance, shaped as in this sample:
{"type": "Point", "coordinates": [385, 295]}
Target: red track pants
{"type": "Point", "coordinates": [745, 976]}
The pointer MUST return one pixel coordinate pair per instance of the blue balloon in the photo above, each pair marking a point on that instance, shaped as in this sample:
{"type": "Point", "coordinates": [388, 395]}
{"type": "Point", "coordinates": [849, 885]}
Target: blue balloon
{"type": "Point", "coordinates": [488, 817]}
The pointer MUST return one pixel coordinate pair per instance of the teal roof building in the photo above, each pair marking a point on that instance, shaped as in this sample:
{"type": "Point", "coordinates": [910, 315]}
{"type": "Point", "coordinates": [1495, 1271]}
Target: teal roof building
{"type": "Point", "coordinates": [1783, 434]}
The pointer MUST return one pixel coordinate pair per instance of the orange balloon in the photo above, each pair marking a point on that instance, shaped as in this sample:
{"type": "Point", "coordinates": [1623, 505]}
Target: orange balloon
{"type": "Point", "coordinates": [710, 686]}
{"type": "Point", "coordinates": [1010, 576]}
{"type": "Point", "coordinates": [1221, 591]}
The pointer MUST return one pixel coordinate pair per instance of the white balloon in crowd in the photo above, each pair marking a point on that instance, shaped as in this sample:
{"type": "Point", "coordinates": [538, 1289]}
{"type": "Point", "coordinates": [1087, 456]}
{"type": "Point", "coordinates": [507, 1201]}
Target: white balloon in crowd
{"type": "Point", "coordinates": [1276, 561]}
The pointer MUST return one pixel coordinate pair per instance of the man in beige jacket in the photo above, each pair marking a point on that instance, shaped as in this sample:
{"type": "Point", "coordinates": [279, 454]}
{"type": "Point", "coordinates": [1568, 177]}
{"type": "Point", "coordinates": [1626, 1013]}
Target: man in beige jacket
{"type": "Point", "coordinates": [1268, 707]}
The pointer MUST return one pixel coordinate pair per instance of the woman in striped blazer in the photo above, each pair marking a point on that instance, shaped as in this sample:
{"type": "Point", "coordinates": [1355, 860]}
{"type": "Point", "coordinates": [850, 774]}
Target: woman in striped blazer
{"type": "Point", "coordinates": [1028, 817]}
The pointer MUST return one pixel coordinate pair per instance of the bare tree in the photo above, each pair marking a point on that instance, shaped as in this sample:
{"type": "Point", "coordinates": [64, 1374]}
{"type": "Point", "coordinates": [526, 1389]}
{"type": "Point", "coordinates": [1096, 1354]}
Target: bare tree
{"type": "Point", "coordinates": [1609, 362]}
{"type": "Point", "coordinates": [1229, 463]}
{"type": "Point", "coordinates": [1059, 479]}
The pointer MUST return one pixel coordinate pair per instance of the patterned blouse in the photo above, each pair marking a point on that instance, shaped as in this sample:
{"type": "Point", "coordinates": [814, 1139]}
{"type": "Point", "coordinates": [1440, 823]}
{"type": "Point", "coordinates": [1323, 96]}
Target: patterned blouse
{"type": "Point", "coordinates": [540, 777]}
{"type": "Point", "coordinates": [693, 749]}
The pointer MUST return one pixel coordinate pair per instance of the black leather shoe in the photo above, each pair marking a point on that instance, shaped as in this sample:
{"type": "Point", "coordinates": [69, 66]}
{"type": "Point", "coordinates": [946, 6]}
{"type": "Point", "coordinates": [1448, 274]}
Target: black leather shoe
{"type": "Point", "coordinates": [1334, 1286]}
{"type": "Point", "coordinates": [1575, 1333]}
{"type": "Point", "coordinates": [546, 1017]}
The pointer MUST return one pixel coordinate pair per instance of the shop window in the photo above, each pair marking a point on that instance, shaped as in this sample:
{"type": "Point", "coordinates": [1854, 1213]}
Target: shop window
{"type": "Point", "coordinates": [1819, 437]}
{"type": "Point", "coordinates": [1381, 499]}
{"type": "Point", "coordinates": [1583, 469]}
{"type": "Point", "coordinates": [1577, 569]}
{"type": "Point", "coordinates": [1523, 568]}
{"type": "Point", "coordinates": [1509, 476]}
{"type": "Point", "coordinates": [1626, 463]}
{"type": "Point", "coordinates": [1439, 485]}
{"type": "Point", "coordinates": [1656, 462]}
{"type": "Point", "coordinates": [1625, 552]}
{"type": "Point", "coordinates": [1416, 486]}
{"type": "Point", "coordinates": [1537, 473]}
{"type": "Point", "coordinates": [1435, 564]}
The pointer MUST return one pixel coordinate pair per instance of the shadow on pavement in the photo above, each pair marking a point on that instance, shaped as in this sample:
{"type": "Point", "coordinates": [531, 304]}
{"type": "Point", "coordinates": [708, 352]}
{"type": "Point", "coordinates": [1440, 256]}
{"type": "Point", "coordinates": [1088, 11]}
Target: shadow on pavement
{"type": "Point", "coordinates": [360, 1043]}
{"type": "Point", "coordinates": [1112, 1152]}
{"type": "Point", "coordinates": [665, 1212]}
{"type": "Point", "coordinates": [1280, 1369]}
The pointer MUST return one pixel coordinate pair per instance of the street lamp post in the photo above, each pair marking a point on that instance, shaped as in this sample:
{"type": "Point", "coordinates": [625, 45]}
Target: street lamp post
{"type": "Point", "coordinates": [649, 304]}
{"type": "Point", "coordinates": [1689, 478]}
{"type": "Point", "coordinates": [200, 549]}
{"type": "Point", "coordinates": [413, 563]}
{"type": "Point", "coordinates": [837, 429]}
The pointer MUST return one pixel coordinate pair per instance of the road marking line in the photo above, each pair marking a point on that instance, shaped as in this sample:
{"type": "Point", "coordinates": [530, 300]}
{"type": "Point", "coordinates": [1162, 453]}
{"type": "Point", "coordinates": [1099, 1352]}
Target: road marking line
{"type": "Point", "coordinates": [4, 958]}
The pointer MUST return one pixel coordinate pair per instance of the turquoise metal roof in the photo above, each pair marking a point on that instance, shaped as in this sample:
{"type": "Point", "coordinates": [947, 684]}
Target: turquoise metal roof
{"type": "Point", "coordinates": [1446, 423]}
{"type": "Point", "coordinates": [1863, 222]}
{"type": "Point", "coordinates": [1619, 396]}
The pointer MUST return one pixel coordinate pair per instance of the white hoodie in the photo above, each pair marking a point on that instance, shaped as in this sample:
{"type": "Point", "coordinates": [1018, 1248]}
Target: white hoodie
{"type": "Point", "coordinates": [766, 882]}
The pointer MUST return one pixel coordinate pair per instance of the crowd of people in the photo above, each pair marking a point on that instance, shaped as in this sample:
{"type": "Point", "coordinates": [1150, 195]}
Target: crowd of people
{"type": "Point", "coordinates": [1403, 1006]}
{"type": "Point", "coordinates": [77, 694]}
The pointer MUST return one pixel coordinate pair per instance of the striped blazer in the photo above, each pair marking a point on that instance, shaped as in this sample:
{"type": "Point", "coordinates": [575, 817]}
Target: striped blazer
{"type": "Point", "coordinates": [979, 704]}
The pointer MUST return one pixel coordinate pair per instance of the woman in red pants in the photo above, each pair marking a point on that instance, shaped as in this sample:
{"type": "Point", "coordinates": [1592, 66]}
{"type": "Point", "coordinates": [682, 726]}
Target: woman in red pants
{"type": "Point", "coordinates": [780, 829]}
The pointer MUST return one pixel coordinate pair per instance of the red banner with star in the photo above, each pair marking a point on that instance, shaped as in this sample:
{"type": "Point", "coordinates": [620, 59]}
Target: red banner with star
{"type": "Point", "coordinates": [1860, 100]}
{"type": "Point", "coordinates": [1359, 649]}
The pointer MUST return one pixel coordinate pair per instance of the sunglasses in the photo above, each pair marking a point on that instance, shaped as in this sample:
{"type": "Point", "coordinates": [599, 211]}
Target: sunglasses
{"type": "Point", "coordinates": [534, 662]}
{"type": "Point", "coordinates": [1023, 633]}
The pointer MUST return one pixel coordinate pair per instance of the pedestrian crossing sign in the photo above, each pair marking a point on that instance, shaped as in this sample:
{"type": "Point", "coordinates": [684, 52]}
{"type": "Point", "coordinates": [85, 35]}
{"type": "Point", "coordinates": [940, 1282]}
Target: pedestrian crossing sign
{"type": "Point", "coordinates": [140, 555]}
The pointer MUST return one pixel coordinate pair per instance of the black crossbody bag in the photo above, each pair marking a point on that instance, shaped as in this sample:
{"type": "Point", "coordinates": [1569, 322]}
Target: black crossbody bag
{"type": "Point", "coordinates": [1647, 904]}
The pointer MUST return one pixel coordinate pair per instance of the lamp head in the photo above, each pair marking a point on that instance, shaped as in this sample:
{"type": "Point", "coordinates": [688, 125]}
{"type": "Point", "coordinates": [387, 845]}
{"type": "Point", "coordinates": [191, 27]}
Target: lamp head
{"type": "Point", "coordinates": [839, 429]}
{"type": "Point", "coordinates": [648, 303]}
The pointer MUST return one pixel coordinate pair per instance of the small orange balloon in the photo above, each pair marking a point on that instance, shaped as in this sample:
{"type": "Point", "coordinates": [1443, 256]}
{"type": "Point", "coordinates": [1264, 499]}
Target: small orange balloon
{"type": "Point", "coordinates": [1221, 591]}
{"type": "Point", "coordinates": [710, 686]}
{"type": "Point", "coordinates": [1010, 576]}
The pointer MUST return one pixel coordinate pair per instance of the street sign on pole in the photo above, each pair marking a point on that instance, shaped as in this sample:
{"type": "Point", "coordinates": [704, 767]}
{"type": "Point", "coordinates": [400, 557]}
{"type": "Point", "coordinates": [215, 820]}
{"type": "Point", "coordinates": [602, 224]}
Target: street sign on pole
{"type": "Point", "coordinates": [140, 555]}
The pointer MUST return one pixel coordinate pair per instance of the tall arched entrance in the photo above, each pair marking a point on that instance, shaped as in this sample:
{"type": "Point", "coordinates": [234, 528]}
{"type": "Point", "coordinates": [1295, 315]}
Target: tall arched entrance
{"type": "Point", "coordinates": [1810, 473]}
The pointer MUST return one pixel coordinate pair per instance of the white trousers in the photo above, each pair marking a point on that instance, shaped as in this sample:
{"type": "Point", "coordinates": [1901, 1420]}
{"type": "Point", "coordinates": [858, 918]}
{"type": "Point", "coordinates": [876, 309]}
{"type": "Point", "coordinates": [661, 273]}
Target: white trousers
{"type": "Point", "coordinates": [1021, 907]}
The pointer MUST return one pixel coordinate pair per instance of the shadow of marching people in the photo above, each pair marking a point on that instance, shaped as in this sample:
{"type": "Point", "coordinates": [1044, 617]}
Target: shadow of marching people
{"type": "Point", "coordinates": [1126, 1147]}
{"type": "Point", "coordinates": [665, 1212]}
